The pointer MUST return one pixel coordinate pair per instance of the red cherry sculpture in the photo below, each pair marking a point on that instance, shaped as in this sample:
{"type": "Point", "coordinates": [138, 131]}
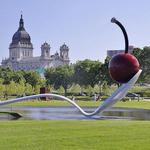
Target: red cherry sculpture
{"type": "Point", "coordinates": [123, 67]}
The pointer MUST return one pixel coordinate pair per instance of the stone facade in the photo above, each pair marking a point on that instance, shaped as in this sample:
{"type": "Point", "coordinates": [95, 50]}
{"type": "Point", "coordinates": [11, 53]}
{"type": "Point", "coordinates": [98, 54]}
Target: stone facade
{"type": "Point", "coordinates": [21, 53]}
{"type": "Point", "coordinates": [111, 53]}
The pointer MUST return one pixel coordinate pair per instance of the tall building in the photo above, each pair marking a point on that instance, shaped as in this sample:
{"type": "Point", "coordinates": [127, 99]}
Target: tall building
{"type": "Point", "coordinates": [21, 53]}
{"type": "Point", "coordinates": [111, 53]}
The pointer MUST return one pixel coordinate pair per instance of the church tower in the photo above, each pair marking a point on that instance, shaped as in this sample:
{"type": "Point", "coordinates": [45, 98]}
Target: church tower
{"type": "Point", "coordinates": [21, 46]}
{"type": "Point", "coordinates": [45, 50]}
{"type": "Point", "coordinates": [64, 50]}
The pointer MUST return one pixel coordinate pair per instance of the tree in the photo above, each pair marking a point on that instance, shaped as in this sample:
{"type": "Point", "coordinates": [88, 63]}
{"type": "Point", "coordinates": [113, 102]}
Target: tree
{"type": "Point", "coordinates": [60, 76]}
{"type": "Point", "coordinates": [88, 89]}
{"type": "Point", "coordinates": [143, 56]}
{"type": "Point", "coordinates": [60, 90]}
{"type": "Point", "coordinates": [17, 76]}
{"type": "Point", "coordinates": [31, 77]}
{"type": "Point", "coordinates": [21, 87]}
{"type": "Point", "coordinates": [28, 89]}
{"type": "Point", "coordinates": [2, 87]}
{"type": "Point", "coordinates": [87, 72]}
{"type": "Point", "coordinates": [75, 89]}
{"type": "Point", "coordinates": [104, 72]}
{"type": "Point", "coordinates": [9, 75]}
{"type": "Point", "coordinates": [145, 64]}
{"type": "Point", "coordinates": [12, 88]}
{"type": "Point", "coordinates": [37, 89]}
{"type": "Point", "coordinates": [96, 88]}
{"type": "Point", "coordinates": [50, 76]}
{"type": "Point", "coordinates": [137, 53]}
{"type": "Point", "coordinates": [6, 74]}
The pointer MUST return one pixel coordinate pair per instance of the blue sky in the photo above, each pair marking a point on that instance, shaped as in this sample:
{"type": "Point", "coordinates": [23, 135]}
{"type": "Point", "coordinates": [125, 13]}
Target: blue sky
{"type": "Point", "coordinates": [84, 25]}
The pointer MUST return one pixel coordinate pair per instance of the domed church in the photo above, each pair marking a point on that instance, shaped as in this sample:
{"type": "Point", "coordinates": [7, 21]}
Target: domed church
{"type": "Point", "coordinates": [21, 53]}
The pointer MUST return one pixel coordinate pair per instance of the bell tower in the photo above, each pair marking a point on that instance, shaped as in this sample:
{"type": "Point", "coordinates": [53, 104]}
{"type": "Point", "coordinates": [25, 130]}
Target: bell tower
{"type": "Point", "coordinates": [45, 50]}
{"type": "Point", "coordinates": [64, 50]}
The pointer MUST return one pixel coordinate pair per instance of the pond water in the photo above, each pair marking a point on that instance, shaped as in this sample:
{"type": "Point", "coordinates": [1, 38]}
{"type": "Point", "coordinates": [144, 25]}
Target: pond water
{"type": "Point", "coordinates": [71, 113]}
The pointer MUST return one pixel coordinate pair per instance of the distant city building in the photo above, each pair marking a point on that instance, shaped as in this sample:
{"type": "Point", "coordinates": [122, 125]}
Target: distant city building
{"type": "Point", "coordinates": [21, 53]}
{"type": "Point", "coordinates": [111, 53]}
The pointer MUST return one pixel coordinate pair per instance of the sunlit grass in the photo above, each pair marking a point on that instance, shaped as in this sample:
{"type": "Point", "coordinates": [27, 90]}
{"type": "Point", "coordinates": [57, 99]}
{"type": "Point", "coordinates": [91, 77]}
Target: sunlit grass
{"type": "Point", "coordinates": [75, 135]}
{"type": "Point", "coordinates": [128, 104]}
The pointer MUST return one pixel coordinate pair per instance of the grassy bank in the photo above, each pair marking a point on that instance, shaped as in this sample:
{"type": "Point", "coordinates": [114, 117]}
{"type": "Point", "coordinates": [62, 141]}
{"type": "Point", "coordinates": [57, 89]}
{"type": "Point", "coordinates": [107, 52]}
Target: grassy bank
{"type": "Point", "coordinates": [75, 135]}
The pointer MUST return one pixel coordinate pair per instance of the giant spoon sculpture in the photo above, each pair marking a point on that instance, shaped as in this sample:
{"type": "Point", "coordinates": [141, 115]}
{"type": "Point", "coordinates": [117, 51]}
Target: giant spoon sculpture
{"type": "Point", "coordinates": [123, 68]}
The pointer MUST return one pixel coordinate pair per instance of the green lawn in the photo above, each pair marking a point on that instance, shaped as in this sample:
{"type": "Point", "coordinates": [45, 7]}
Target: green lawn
{"type": "Point", "coordinates": [75, 135]}
{"type": "Point", "coordinates": [129, 104]}
{"type": "Point", "coordinates": [134, 104]}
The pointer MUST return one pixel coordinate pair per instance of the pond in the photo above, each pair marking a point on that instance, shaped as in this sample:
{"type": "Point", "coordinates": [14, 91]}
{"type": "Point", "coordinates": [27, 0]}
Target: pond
{"type": "Point", "coordinates": [71, 113]}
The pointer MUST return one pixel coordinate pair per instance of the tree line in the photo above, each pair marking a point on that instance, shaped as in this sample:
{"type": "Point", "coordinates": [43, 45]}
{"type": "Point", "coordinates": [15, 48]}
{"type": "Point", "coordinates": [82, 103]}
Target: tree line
{"type": "Point", "coordinates": [86, 73]}
{"type": "Point", "coordinates": [91, 73]}
{"type": "Point", "coordinates": [19, 82]}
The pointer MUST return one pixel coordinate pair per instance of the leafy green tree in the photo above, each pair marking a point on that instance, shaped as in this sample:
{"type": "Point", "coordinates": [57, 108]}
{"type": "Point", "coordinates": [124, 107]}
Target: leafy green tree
{"type": "Point", "coordinates": [2, 88]}
{"type": "Point", "coordinates": [60, 90]}
{"type": "Point", "coordinates": [37, 89]}
{"type": "Point", "coordinates": [87, 72]}
{"type": "Point", "coordinates": [12, 88]}
{"type": "Point", "coordinates": [96, 88]}
{"type": "Point", "coordinates": [60, 76]}
{"type": "Point", "coordinates": [64, 76]}
{"type": "Point", "coordinates": [143, 56]}
{"type": "Point", "coordinates": [104, 73]}
{"type": "Point", "coordinates": [50, 76]}
{"type": "Point", "coordinates": [6, 74]}
{"type": "Point", "coordinates": [17, 76]}
{"type": "Point", "coordinates": [28, 89]}
{"type": "Point", "coordinates": [9, 75]}
{"type": "Point", "coordinates": [145, 64]}
{"type": "Point", "coordinates": [88, 89]}
{"type": "Point", "coordinates": [31, 77]}
{"type": "Point", "coordinates": [137, 53]}
{"type": "Point", "coordinates": [21, 88]}
{"type": "Point", "coordinates": [75, 88]}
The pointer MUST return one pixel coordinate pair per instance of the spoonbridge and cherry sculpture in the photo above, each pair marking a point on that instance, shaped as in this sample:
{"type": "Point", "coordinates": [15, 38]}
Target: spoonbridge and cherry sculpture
{"type": "Point", "coordinates": [124, 68]}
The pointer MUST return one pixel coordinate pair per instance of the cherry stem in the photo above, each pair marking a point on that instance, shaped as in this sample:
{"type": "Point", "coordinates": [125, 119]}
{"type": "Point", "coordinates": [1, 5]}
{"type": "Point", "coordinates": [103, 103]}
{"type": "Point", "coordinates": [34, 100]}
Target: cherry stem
{"type": "Point", "coordinates": [114, 20]}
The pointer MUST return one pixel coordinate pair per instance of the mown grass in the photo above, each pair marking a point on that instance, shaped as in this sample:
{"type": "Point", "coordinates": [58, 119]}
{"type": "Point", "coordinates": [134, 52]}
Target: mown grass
{"type": "Point", "coordinates": [134, 104]}
{"type": "Point", "coordinates": [75, 135]}
{"type": "Point", "coordinates": [128, 104]}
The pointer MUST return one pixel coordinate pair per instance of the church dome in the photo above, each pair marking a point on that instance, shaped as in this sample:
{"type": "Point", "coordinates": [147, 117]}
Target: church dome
{"type": "Point", "coordinates": [21, 35]}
